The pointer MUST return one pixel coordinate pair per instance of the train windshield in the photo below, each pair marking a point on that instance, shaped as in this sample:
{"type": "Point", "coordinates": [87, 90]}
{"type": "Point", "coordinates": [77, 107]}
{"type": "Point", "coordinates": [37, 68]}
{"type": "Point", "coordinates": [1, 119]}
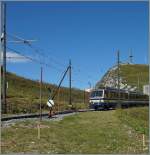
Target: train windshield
{"type": "Point", "coordinates": [97, 94]}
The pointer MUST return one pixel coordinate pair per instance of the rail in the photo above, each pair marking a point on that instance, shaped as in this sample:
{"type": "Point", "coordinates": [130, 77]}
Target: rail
{"type": "Point", "coordinates": [44, 114]}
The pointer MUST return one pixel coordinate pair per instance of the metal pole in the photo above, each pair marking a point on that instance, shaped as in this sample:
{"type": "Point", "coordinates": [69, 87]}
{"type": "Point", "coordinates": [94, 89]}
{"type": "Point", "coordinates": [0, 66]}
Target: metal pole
{"type": "Point", "coordinates": [58, 100]}
{"type": "Point", "coordinates": [131, 56]}
{"type": "Point", "coordinates": [41, 94]}
{"type": "Point", "coordinates": [138, 84]}
{"type": "Point", "coordinates": [70, 99]}
{"type": "Point", "coordinates": [1, 50]}
{"type": "Point", "coordinates": [118, 70]}
{"type": "Point", "coordinates": [84, 96]}
{"type": "Point", "coordinates": [3, 39]}
{"type": "Point", "coordinates": [60, 83]}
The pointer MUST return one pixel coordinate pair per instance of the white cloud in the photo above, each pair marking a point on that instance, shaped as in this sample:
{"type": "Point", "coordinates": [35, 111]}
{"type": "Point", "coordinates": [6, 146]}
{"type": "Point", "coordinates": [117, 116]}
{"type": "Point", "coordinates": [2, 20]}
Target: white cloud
{"type": "Point", "coordinates": [15, 58]}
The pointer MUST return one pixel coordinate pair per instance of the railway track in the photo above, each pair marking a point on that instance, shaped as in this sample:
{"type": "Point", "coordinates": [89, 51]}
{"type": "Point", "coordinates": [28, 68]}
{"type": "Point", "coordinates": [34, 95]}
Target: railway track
{"type": "Point", "coordinates": [43, 115]}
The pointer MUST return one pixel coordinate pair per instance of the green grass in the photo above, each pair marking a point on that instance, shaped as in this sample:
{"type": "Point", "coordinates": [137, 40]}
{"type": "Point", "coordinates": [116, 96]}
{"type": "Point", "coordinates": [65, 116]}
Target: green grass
{"type": "Point", "coordinates": [23, 95]}
{"type": "Point", "coordinates": [137, 118]}
{"type": "Point", "coordinates": [130, 74]}
{"type": "Point", "coordinates": [89, 132]}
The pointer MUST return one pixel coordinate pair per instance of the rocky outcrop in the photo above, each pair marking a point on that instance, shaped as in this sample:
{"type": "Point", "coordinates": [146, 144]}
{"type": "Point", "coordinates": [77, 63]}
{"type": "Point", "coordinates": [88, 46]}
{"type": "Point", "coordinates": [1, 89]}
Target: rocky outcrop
{"type": "Point", "coordinates": [110, 79]}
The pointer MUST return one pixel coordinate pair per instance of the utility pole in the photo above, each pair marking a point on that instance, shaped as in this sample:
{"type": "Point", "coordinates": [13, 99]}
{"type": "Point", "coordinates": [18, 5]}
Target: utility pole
{"type": "Point", "coordinates": [1, 50]}
{"type": "Point", "coordinates": [84, 96]}
{"type": "Point", "coordinates": [118, 70]}
{"type": "Point", "coordinates": [3, 41]}
{"type": "Point", "coordinates": [138, 82]}
{"type": "Point", "coordinates": [41, 93]}
{"type": "Point", "coordinates": [70, 99]}
{"type": "Point", "coordinates": [60, 82]}
{"type": "Point", "coordinates": [40, 119]}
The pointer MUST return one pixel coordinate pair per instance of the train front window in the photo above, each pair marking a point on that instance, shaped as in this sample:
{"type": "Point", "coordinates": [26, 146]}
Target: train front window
{"type": "Point", "coordinates": [97, 94]}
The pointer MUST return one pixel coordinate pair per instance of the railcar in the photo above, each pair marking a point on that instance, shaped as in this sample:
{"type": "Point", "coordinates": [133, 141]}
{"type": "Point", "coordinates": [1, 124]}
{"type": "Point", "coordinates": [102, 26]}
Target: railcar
{"type": "Point", "coordinates": [109, 98]}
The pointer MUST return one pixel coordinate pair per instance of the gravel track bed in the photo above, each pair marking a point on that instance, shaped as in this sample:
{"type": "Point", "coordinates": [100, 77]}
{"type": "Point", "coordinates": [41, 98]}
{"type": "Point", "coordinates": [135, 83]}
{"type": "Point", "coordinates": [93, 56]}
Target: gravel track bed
{"type": "Point", "coordinates": [58, 117]}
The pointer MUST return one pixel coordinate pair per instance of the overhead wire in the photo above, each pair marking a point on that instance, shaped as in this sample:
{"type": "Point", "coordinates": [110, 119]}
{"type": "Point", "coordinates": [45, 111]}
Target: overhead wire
{"type": "Point", "coordinates": [35, 60]}
{"type": "Point", "coordinates": [39, 49]}
{"type": "Point", "coordinates": [78, 71]}
{"type": "Point", "coordinates": [36, 50]}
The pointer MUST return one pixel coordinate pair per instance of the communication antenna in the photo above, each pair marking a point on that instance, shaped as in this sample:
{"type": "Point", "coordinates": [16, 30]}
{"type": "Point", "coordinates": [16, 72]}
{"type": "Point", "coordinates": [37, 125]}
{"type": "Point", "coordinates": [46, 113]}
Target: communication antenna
{"type": "Point", "coordinates": [130, 57]}
{"type": "Point", "coordinates": [118, 77]}
{"type": "Point", "coordinates": [21, 40]}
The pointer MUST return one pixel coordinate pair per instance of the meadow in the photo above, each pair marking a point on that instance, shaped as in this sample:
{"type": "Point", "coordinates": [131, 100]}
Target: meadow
{"type": "Point", "coordinates": [113, 131]}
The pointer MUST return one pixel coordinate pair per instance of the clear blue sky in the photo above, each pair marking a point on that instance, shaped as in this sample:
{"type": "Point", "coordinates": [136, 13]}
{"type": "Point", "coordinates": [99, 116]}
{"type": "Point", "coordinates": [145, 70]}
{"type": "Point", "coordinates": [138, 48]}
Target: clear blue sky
{"type": "Point", "coordinates": [88, 33]}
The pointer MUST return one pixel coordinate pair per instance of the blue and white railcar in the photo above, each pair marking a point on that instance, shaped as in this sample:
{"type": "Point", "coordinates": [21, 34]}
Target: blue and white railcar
{"type": "Point", "coordinates": [106, 98]}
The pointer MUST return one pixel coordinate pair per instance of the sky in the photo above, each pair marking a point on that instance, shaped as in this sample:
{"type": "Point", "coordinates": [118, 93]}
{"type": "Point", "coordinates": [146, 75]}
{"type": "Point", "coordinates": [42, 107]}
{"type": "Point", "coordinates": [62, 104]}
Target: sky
{"type": "Point", "coordinates": [87, 33]}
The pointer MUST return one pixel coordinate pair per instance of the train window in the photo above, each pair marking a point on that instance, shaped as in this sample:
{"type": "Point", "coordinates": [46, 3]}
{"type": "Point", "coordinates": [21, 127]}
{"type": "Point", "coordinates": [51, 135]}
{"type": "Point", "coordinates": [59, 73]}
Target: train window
{"type": "Point", "coordinates": [132, 96]}
{"type": "Point", "coordinates": [121, 95]}
{"type": "Point", "coordinates": [110, 95]}
{"type": "Point", "coordinates": [100, 93]}
{"type": "Point", "coordinates": [106, 94]}
{"type": "Point", "coordinates": [142, 97]}
{"type": "Point", "coordinates": [126, 96]}
{"type": "Point", "coordinates": [93, 94]}
{"type": "Point", "coordinates": [137, 96]}
{"type": "Point", "coordinates": [116, 95]}
{"type": "Point", "coordinates": [113, 94]}
{"type": "Point", "coordinates": [96, 93]}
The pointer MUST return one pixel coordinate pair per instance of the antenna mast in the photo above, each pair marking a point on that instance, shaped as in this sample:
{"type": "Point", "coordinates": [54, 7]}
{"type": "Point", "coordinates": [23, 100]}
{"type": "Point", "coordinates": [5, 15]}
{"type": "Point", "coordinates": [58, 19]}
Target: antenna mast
{"type": "Point", "coordinates": [130, 57]}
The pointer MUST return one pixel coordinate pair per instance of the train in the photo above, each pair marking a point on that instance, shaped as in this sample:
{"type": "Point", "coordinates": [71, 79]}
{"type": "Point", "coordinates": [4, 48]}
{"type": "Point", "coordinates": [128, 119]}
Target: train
{"type": "Point", "coordinates": [111, 98]}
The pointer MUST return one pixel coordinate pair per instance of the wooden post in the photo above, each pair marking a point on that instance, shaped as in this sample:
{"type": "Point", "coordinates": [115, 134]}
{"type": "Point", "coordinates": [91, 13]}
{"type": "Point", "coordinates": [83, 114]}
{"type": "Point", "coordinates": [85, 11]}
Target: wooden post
{"type": "Point", "coordinates": [143, 140]}
{"type": "Point", "coordinates": [70, 99]}
{"type": "Point", "coordinates": [84, 97]}
{"type": "Point", "coordinates": [41, 94]}
{"type": "Point", "coordinates": [38, 127]}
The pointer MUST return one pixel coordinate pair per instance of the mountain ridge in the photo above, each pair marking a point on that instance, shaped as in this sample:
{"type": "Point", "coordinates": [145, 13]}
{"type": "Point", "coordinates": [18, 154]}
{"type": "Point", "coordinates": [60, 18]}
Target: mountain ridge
{"type": "Point", "coordinates": [132, 77]}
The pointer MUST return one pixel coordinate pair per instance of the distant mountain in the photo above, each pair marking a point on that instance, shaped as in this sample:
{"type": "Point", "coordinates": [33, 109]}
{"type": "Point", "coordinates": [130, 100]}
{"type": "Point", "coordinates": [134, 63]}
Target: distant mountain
{"type": "Point", "coordinates": [132, 77]}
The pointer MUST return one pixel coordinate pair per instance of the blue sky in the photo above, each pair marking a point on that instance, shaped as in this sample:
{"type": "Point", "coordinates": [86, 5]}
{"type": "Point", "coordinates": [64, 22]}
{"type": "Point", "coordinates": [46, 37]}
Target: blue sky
{"type": "Point", "coordinates": [88, 33]}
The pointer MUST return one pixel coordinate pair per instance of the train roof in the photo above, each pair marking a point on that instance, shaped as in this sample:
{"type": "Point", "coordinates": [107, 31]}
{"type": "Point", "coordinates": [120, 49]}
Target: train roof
{"type": "Point", "coordinates": [115, 89]}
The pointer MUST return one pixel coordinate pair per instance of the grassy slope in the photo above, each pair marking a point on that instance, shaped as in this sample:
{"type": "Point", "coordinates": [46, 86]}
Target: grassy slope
{"type": "Point", "coordinates": [90, 132]}
{"type": "Point", "coordinates": [130, 74]}
{"type": "Point", "coordinates": [137, 118]}
{"type": "Point", "coordinates": [23, 94]}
